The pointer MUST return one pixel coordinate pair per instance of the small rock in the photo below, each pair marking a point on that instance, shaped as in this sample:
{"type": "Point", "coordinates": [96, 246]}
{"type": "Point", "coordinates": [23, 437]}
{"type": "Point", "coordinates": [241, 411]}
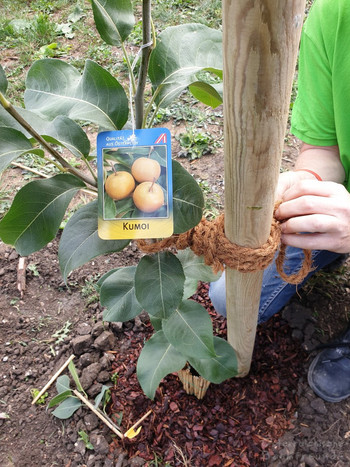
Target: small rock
{"type": "Point", "coordinates": [107, 360]}
{"type": "Point", "coordinates": [319, 406]}
{"type": "Point", "coordinates": [83, 329]}
{"type": "Point", "coordinates": [309, 461]}
{"type": "Point", "coordinates": [13, 255]}
{"type": "Point", "coordinates": [108, 463]}
{"type": "Point", "coordinates": [89, 375]}
{"type": "Point", "coordinates": [94, 390]}
{"type": "Point", "coordinates": [136, 461]}
{"type": "Point", "coordinates": [88, 358]}
{"type": "Point", "coordinates": [103, 377]}
{"type": "Point", "coordinates": [105, 341]}
{"type": "Point", "coordinates": [91, 421]}
{"type": "Point", "coordinates": [80, 447]}
{"type": "Point", "coordinates": [117, 326]}
{"type": "Point", "coordinates": [98, 329]}
{"type": "Point", "coordinates": [81, 344]}
{"type": "Point", "coordinates": [99, 443]}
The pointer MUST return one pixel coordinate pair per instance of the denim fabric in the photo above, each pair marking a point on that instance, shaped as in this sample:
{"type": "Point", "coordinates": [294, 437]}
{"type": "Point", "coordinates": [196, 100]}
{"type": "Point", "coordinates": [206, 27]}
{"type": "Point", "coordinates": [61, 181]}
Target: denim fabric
{"type": "Point", "coordinates": [275, 293]}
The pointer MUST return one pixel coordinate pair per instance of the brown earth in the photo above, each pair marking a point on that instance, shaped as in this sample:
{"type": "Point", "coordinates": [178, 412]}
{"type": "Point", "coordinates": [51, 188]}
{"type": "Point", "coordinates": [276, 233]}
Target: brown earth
{"type": "Point", "coordinates": [269, 418]}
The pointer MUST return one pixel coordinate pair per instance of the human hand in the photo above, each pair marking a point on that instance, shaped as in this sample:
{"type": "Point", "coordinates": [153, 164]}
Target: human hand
{"type": "Point", "coordinates": [317, 213]}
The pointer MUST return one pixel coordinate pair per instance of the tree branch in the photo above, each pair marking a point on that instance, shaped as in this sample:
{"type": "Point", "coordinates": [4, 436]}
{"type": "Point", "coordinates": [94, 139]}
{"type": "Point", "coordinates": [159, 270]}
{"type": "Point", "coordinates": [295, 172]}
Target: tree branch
{"type": "Point", "coordinates": [146, 51]}
{"type": "Point", "coordinates": [13, 112]}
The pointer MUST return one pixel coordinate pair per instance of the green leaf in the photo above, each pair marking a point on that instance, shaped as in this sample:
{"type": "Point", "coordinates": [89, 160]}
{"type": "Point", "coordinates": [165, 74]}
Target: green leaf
{"type": "Point", "coordinates": [189, 329]}
{"type": "Point", "coordinates": [59, 398]}
{"type": "Point", "coordinates": [206, 93]}
{"type": "Point", "coordinates": [12, 145]}
{"type": "Point", "coordinates": [222, 366]}
{"type": "Point", "coordinates": [61, 131]}
{"type": "Point", "coordinates": [117, 294]}
{"type": "Point", "coordinates": [62, 384]}
{"type": "Point", "coordinates": [37, 212]}
{"type": "Point", "coordinates": [158, 358]}
{"type": "Point", "coordinates": [101, 395]}
{"type": "Point", "coordinates": [156, 323]}
{"type": "Point", "coordinates": [3, 81]}
{"type": "Point", "coordinates": [114, 19]}
{"type": "Point", "coordinates": [73, 371]}
{"type": "Point", "coordinates": [180, 54]}
{"type": "Point", "coordinates": [80, 241]}
{"type": "Point", "coordinates": [55, 88]}
{"type": "Point", "coordinates": [195, 270]}
{"type": "Point", "coordinates": [67, 408]}
{"type": "Point", "coordinates": [188, 201]}
{"type": "Point", "coordinates": [159, 283]}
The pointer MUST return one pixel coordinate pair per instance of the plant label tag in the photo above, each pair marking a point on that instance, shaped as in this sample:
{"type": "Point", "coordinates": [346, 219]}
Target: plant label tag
{"type": "Point", "coordinates": [135, 184]}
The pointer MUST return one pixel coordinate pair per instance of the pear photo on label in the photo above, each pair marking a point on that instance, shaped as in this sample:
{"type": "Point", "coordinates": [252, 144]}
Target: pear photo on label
{"type": "Point", "coordinates": [119, 185]}
{"type": "Point", "coordinates": [148, 197]}
{"type": "Point", "coordinates": [145, 169]}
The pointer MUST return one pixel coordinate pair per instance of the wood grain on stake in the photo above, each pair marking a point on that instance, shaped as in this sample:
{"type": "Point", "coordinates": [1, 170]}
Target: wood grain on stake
{"type": "Point", "coordinates": [260, 44]}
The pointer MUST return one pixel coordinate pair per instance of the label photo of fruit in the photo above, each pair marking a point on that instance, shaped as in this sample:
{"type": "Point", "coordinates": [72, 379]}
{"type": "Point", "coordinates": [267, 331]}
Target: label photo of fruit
{"type": "Point", "coordinates": [134, 181]}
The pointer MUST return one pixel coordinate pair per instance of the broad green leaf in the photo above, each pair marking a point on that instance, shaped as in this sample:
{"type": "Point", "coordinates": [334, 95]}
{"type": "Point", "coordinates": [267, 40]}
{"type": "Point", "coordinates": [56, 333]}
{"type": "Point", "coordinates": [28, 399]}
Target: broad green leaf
{"type": "Point", "coordinates": [37, 212]}
{"type": "Point", "coordinates": [117, 294]}
{"type": "Point", "coordinates": [195, 270]}
{"type": "Point", "coordinates": [189, 329]}
{"type": "Point", "coordinates": [188, 201]}
{"type": "Point", "coordinates": [67, 408]}
{"type": "Point", "coordinates": [3, 81]}
{"type": "Point", "coordinates": [59, 398]}
{"type": "Point", "coordinates": [222, 366]}
{"type": "Point", "coordinates": [180, 54]}
{"type": "Point", "coordinates": [159, 283]}
{"type": "Point", "coordinates": [114, 19]}
{"type": "Point", "coordinates": [62, 384]}
{"type": "Point", "coordinates": [158, 358]}
{"type": "Point", "coordinates": [207, 93]}
{"type": "Point", "coordinates": [12, 145]}
{"type": "Point", "coordinates": [80, 241]}
{"type": "Point", "coordinates": [55, 88]}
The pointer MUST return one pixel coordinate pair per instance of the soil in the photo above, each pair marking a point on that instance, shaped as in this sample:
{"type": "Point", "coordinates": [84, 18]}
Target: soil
{"type": "Point", "coordinates": [269, 418]}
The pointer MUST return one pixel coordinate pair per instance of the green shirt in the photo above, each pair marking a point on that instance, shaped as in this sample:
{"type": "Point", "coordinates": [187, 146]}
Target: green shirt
{"type": "Point", "coordinates": [321, 113]}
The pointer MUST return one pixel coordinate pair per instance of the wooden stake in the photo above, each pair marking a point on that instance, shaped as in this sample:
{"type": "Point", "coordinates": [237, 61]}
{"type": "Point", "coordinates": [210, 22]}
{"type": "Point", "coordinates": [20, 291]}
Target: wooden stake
{"type": "Point", "coordinates": [260, 42]}
{"type": "Point", "coordinates": [53, 379]}
{"type": "Point", "coordinates": [99, 414]}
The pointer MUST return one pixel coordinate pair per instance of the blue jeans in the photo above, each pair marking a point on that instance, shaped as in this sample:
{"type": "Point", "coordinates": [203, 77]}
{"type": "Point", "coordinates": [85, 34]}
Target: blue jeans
{"type": "Point", "coordinates": [275, 293]}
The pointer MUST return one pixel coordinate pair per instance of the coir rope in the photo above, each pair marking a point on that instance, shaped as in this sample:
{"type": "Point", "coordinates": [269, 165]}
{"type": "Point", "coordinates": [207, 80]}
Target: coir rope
{"type": "Point", "coordinates": [208, 239]}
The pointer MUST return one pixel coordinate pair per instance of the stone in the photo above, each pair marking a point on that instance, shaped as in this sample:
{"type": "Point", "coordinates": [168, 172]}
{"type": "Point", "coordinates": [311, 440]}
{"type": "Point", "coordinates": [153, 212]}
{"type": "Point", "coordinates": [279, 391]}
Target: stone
{"type": "Point", "coordinates": [99, 443]}
{"type": "Point", "coordinates": [83, 329]}
{"type": "Point", "coordinates": [88, 358]}
{"type": "Point", "coordinates": [105, 341]}
{"type": "Point", "coordinates": [91, 421]}
{"type": "Point", "coordinates": [136, 461]}
{"type": "Point", "coordinates": [103, 377]}
{"type": "Point", "coordinates": [98, 329]}
{"type": "Point", "coordinates": [319, 406]}
{"type": "Point", "coordinates": [89, 375]}
{"type": "Point", "coordinates": [81, 344]}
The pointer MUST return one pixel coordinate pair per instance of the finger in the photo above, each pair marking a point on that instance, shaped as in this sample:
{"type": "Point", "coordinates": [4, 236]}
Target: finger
{"type": "Point", "coordinates": [307, 204]}
{"type": "Point", "coordinates": [315, 223]}
{"type": "Point", "coordinates": [311, 241]}
{"type": "Point", "coordinates": [315, 188]}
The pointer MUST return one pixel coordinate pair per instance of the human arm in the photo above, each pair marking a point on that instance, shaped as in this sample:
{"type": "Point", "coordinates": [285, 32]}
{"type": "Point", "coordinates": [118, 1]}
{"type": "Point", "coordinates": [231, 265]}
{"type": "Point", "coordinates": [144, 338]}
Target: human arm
{"type": "Point", "coordinates": [320, 209]}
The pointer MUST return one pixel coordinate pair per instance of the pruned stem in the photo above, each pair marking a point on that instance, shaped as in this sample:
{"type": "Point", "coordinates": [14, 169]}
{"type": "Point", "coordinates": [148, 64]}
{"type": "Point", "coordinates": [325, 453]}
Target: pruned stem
{"type": "Point", "coordinates": [146, 51]}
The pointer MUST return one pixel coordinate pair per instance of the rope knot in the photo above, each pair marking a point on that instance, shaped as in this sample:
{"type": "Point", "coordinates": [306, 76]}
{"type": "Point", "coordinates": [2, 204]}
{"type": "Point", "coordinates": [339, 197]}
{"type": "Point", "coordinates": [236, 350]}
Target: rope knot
{"type": "Point", "coordinates": [208, 239]}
